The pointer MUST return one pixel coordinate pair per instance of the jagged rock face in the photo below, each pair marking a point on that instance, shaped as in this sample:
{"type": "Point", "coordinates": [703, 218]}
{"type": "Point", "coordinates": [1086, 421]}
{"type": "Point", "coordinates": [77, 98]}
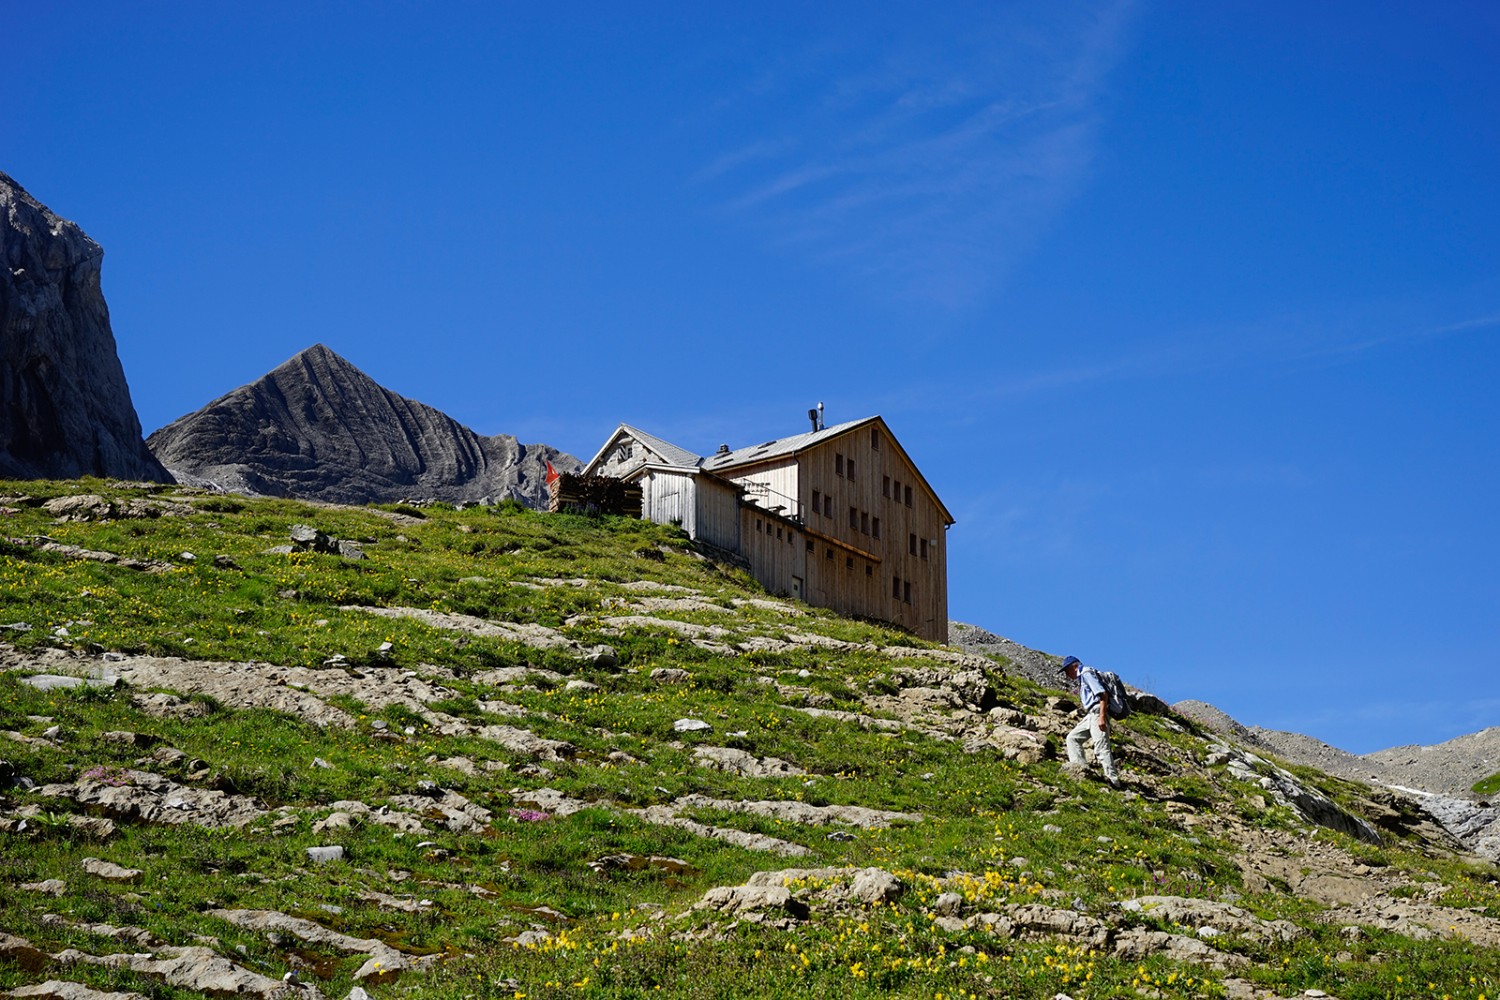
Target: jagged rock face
{"type": "Point", "coordinates": [65, 410]}
{"type": "Point", "coordinates": [319, 428]}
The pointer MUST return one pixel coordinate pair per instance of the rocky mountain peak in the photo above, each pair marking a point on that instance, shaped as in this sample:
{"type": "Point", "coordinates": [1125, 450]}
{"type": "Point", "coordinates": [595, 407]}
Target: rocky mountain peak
{"type": "Point", "coordinates": [318, 427]}
{"type": "Point", "coordinates": [65, 409]}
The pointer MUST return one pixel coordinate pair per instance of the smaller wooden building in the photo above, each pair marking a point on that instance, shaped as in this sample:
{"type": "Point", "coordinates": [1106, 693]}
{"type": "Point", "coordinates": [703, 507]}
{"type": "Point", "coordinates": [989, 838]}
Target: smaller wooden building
{"type": "Point", "coordinates": [839, 517]}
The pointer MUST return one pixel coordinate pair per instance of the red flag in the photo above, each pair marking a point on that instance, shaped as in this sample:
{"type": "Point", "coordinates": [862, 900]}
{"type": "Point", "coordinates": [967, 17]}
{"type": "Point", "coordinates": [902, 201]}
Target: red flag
{"type": "Point", "coordinates": [552, 474]}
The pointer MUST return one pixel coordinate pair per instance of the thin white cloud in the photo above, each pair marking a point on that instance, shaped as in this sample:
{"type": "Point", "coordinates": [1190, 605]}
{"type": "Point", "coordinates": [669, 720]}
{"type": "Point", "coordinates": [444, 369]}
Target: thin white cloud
{"type": "Point", "coordinates": [929, 165]}
{"type": "Point", "coordinates": [1278, 342]}
{"type": "Point", "coordinates": [1428, 333]}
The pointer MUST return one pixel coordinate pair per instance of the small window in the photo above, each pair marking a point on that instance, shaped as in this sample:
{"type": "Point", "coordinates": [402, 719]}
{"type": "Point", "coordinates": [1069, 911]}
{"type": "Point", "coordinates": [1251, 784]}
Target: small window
{"type": "Point", "coordinates": [896, 587]}
{"type": "Point", "coordinates": [869, 570]}
{"type": "Point", "coordinates": [810, 546]}
{"type": "Point", "coordinates": [864, 521]}
{"type": "Point", "coordinates": [828, 506]}
{"type": "Point", "coordinates": [817, 502]}
{"type": "Point", "coordinates": [838, 464]}
{"type": "Point", "coordinates": [885, 485]}
{"type": "Point", "coordinates": [908, 496]}
{"type": "Point", "coordinates": [906, 592]}
{"type": "Point", "coordinates": [924, 542]}
{"type": "Point", "coordinates": [848, 562]}
{"type": "Point", "coordinates": [924, 548]}
{"type": "Point", "coordinates": [853, 519]}
{"type": "Point", "coordinates": [911, 545]}
{"type": "Point", "coordinates": [874, 438]}
{"type": "Point", "coordinates": [828, 554]}
{"type": "Point", "coordinates": [875, 527]}
{"type": "Point", "coordinates": [896, 492]}
{"type": "Point", "coordinates": [757, 524]}
{"type": "Point", "coordinates": [849, 469]}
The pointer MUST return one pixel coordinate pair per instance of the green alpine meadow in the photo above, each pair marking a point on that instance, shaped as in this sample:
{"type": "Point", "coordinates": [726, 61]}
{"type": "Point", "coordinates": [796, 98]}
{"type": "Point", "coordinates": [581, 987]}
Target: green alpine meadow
{"type": "Point", "coordinates": [274, 748]}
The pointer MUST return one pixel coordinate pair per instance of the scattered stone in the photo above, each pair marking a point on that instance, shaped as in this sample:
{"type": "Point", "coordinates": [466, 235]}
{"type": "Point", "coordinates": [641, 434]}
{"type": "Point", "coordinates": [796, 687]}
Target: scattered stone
{"type": "Point", "coordinates": [635, 862]}
{"type": "Point", "coordinates": [691, 726]}
{"type": "Point", "coordinates": [549, 801]}
{"type": "Point", "coordinates": [58, 682]}
{"type": "Point", "coordinates": [334, 821]}
{"type": "Point", "coordinates": [192, 968]}
{"type": "Point", "coordinates": [666, 816]}
{"type": "Point", "coordinates": [47, 887]}
{"type": "Point", "coordinates": [61, 989]}
{"type": "Point", "coordinates": [738, 899]}
{"type": "Point", "coordinates": [457, 813]}
{"type": "Point", "coordinates": [45, 544]}
{"type": "Point", "coordinates": [168, 706]}
{"type": "Point", "coordinates": [523, 741]}
{"type": "Point", "coordinates": [1136, 943]}
{"type": "Point", "coordinates": [322, 855]}
{"type": "Point", "coordinates": [669, 675]}
{"type": "Point", "coordinates": [947, 904]}
{"type": "Point", "coordinates": [109, 871]}
{"type": "Point", "coordinates": [1224, 917]}
{"type": "Point", "coordinates": [802, 812]}
{"type": "Point", "coordinates": [747, 764]}
{"type": "Point", "coordinates": [383, 960]}
{"type": "Point", "coordinates": [147, 797]}
{"type": "Point", "coordinates": [528, 634]}
{"type": "Point", "coordinates": [23, 953]}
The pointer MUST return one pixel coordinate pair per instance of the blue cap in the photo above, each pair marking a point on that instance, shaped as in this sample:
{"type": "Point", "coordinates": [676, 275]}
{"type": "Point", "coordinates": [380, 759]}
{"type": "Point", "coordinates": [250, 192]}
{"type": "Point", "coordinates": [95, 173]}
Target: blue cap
{"type": "Point", "coordinates": [1071, 661]}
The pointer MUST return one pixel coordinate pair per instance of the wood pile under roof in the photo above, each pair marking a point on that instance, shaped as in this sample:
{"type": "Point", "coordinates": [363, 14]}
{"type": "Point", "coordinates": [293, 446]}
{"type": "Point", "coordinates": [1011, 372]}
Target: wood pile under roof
{"type": "Point", "coordinates": [578, 494]}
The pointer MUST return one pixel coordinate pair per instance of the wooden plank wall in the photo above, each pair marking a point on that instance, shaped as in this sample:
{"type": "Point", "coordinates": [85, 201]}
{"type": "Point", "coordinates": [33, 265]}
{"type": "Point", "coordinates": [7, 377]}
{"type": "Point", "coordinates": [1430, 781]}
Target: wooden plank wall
{"type": "Point", "coordinates": [776, 550]}
{"type": "Point", "coordinates": [718, 513]}
{"type": "Point", "coordinates": [900, 576]}
{"type": "Point", "coordinates": [668, 498]}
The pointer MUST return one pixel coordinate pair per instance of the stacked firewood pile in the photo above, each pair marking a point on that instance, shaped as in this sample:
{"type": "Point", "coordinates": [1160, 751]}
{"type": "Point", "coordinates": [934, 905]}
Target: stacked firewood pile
{"type": "Point", "coordinates": [579, 494]}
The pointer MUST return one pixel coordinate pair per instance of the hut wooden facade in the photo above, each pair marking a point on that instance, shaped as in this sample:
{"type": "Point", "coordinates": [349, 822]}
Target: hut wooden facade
{"type": "Point", "coordinates": [839, 517]}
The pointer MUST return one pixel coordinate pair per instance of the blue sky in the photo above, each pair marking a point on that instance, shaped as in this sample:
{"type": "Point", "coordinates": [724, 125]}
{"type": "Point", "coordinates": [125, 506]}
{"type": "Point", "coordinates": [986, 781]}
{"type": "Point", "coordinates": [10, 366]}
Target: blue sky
{"type": "Point", "coordinates": [1189, 311]}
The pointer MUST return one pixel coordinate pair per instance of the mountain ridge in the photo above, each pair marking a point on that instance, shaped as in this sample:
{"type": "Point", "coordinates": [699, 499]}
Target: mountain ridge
{"type": "Point", "coordinates": [317, 427]}
{"type": "Point", "coordinates": [65, 407]}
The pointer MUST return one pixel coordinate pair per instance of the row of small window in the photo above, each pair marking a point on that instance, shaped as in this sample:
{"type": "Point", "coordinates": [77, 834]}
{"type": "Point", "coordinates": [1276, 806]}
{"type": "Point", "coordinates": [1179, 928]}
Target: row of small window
{"type": "Point", "coordinates": [900, 589]}
{"type": "Point", "coordinates": [845, 466]}
{"type": "Point", "coordinates": [895, 491]}
{"type": "Point", "coordinates": [892, 489]}
{"type": "Point", "coordinates": [848, 560]}
{"type": "Point", "coordinates": [859, 520]}
{"type": "Point", "coordinates": [761, 525]}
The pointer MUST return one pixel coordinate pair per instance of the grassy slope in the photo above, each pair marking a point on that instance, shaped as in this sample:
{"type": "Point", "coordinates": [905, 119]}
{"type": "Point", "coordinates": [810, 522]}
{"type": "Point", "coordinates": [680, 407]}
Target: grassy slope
{"type": "Point", "coordinates": [981, 813]}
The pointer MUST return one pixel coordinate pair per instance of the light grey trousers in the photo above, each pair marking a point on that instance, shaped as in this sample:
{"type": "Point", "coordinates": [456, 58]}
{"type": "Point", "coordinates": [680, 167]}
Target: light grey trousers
{"type": "Point", "coordinates": [1089, 726]}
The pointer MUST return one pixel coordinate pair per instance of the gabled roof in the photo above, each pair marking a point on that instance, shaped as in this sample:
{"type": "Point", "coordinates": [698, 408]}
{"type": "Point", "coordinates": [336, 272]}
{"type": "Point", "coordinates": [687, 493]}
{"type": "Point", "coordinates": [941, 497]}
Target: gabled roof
{"type": "Point", "coordinates": [672, 454]}
{"type": "Point", "coordinates": [780, 447]}
{"type": "Point", "coordinates": [668, 452]}
{"type": "Point", "coordinates": [724, 463]}
{"type": "Point", "coordinates": [787, 447]}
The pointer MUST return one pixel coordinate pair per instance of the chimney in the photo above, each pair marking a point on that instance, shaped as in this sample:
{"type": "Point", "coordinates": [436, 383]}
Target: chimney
{"type": "Point", "coordinates": [813, 416]}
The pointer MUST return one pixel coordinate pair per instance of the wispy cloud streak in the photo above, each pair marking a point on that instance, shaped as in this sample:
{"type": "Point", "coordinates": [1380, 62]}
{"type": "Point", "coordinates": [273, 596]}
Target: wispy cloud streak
{"type": "Point", "coordinates": [929, 165]}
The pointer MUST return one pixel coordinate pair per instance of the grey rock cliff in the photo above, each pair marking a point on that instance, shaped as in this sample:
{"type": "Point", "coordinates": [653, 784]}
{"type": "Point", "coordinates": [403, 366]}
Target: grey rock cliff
{"type": "Point", "coordinates": [65, 410]}
{"type": "Point", "coordinates": [319, 428]}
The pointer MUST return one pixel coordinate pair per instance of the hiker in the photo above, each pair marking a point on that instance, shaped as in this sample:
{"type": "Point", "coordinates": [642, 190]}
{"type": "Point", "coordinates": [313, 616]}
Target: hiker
{"type": "Point", "coordinates": [1095, 720]}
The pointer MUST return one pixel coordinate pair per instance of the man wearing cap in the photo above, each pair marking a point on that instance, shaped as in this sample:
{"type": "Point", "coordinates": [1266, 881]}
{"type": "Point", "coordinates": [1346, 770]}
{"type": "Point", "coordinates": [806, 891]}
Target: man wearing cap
{"type": "Point", "coordinates": [1095, 720]}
